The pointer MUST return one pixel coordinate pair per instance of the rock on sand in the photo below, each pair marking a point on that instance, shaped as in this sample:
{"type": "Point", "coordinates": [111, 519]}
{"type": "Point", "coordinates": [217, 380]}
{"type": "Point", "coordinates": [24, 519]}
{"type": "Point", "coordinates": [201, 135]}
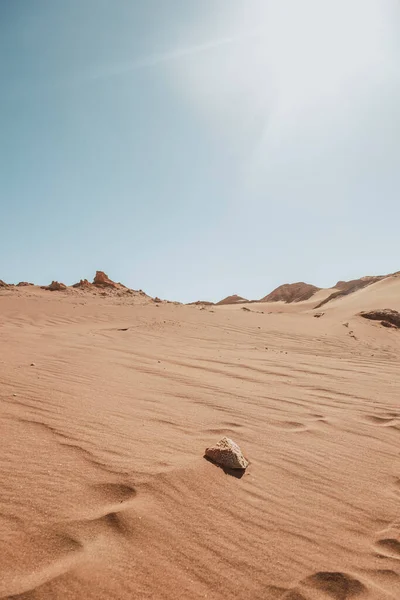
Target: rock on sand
{"type": "Point", "coordinates": [227, 454]}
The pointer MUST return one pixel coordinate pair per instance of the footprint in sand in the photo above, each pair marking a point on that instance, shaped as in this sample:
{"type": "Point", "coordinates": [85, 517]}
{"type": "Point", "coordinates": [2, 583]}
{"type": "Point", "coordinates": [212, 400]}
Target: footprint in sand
{"type": "Point", "coordinates": [389, 547]}
{"type": "Point", "coordinates": [388, 543]}
{"type": "Point", "coordinates": [291, 426]}
{"type": "Point", "coordinates": [311, 423]}
{"type": "Point", "coordinates": [326, 585]}
{"type": "Point", "coordinates": [227, 427]}
{"type": "Point", "coordinates": [317, 417]}
{"type": "Point", "coordinates": [384, 419]}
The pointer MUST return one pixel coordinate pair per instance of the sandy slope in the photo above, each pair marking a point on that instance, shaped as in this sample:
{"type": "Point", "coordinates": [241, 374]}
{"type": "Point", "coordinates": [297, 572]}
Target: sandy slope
{"type": "Point", "coordinates": [104, 492]}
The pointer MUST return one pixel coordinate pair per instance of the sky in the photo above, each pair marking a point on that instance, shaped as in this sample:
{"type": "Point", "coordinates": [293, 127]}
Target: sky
{"type": "Point", "coordinates": [199, 148]}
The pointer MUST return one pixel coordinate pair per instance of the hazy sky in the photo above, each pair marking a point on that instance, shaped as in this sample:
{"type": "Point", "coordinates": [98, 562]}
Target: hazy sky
{"type": "Point", "coordinates": [199, 148]}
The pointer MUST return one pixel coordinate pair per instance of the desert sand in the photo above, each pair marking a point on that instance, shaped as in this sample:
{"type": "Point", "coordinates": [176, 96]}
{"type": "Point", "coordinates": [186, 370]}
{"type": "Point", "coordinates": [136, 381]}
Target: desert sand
{"type": "Point", "coordinates": [107, 403]}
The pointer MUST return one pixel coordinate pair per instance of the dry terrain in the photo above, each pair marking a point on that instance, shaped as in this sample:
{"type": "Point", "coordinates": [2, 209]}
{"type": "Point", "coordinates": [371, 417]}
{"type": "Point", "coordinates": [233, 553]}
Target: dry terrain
{"type": "Point", "coordinates": [107, 402]}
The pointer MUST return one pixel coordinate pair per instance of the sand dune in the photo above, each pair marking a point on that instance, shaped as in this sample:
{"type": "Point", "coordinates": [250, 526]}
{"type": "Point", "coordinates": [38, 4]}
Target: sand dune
{"type": "Point", "coordinates": [108, 402]}
{"type": "Point", "coordinates": [301, 292]}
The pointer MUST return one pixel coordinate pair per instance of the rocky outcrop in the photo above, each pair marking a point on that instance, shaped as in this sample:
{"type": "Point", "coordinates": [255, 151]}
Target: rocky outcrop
{"type": "Point", "coordinates": [387, 317]}
{"type": "Point", "coordinates": [201, 303]}
{"type": "Point", "coordinates": [24, 284]}
{"type": "Point", "coordinates": [3, 284]}
{"type": "Point", "coordinates": [55, 286]}
{"type": "Point", "coordinates": [102, 280]}
{"type": "Point", "coordinates": [291, 292]}
{"type": "Point", "coordinates": [389, 325]}
{"type": "Point", "coordinates": [83, 284]}
{"type": "Point", "coordinates": [227, 453]}
{"type": "Point", "coordinates": [235, 299]}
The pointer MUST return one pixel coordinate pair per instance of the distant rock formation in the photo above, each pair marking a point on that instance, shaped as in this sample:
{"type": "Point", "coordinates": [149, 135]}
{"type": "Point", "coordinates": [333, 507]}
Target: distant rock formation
{"type": "Point", "coordinates": [227, 454]}
{"type": "Point", "coordinates": [3, 284]}
{"type": "Point", "coordinates": [387, 317]}
{"type": "Point", "coordinates": [235, 299]}
{"type": "Point", "coordinates": [201, 303]}
{"type": "Point", "coordinates": [55, 286]}
{"type": "Point", "coordinates": [102, 280]}
{"type": "Point", "coordinates": [24, 284]}
{"type": "Point", "coordinates": [291, 292]}
{"type": "Point", "coordinates": [83, 284]}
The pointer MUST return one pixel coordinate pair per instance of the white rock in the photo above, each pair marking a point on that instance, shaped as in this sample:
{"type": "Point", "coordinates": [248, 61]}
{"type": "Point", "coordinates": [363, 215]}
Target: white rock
{"type": "Point", "coordinates": [227, 454]}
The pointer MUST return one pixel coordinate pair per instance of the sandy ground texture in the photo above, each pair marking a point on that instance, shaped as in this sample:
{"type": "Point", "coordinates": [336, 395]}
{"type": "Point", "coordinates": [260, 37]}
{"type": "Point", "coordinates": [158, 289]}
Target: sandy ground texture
{"type": "Point", "coordinates": [107, 405]}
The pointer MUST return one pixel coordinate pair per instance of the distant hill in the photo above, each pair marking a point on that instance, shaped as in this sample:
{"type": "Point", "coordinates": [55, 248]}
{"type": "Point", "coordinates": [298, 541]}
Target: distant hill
{"type": "Point", "coordinates": [300, 291]}
{"type": "Point", "coordinates": [291, 292]}
{"type": "Point", "coordinates": [235, 299]}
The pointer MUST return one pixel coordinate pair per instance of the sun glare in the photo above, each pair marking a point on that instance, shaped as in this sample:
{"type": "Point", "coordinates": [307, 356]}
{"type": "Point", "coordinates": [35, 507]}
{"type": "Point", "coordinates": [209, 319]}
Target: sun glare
{"type": "Point", "coordinates": [315, 48]}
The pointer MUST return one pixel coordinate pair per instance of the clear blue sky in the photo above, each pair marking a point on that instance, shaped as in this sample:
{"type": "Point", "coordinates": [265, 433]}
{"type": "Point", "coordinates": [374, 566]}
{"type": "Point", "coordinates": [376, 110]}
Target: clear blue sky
{"type": "Point", "coordinates": [199, 148]}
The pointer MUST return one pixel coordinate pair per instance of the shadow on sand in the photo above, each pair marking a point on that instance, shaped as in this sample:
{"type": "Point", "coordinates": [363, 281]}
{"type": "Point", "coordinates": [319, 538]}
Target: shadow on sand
{"type": "Point", "coordinates": [238, 473]}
